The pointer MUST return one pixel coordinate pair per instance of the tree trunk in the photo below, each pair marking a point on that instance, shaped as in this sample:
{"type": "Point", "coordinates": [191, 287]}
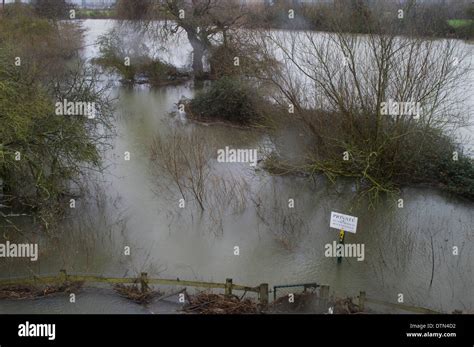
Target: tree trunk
{"type": "Point", "coordinates": [198, 53]}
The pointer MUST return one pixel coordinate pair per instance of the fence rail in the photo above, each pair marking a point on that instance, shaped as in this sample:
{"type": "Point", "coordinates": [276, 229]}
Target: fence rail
{"type": "Point", "coordinates": [305, 286]}
{"type": "Point", "coordinates": [261, 290]}
{"type": "Point", "coordinates": [143, 281]}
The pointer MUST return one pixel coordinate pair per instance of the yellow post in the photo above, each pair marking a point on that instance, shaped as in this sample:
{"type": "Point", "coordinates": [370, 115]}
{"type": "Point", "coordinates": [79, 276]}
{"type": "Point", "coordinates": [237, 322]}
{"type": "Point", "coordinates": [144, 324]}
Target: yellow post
{"type": "Point", "coordinates": [341, 235]}
{"type": "Point", "coordinates": [341, 242]}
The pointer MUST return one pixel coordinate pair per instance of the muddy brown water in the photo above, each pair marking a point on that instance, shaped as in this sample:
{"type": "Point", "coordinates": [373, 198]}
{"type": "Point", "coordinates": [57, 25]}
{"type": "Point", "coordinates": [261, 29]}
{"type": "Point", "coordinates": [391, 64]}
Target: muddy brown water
{"type": "Point", "coordinates": [277, 245]}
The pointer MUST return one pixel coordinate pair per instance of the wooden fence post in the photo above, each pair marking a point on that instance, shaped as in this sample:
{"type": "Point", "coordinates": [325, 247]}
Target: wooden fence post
{"type": "Point", "coordinates": [144, 282]}
{"type": "Point", "coordinates": [62, 276]}
{"type": "Point", "coordinates": [361, 301]}
{"type": "Point", "coordinates": [228, 287]}
{"type": "Point", "coordinates": [324, 294]}
{"type": "Point", "coordinates": [263, 294]}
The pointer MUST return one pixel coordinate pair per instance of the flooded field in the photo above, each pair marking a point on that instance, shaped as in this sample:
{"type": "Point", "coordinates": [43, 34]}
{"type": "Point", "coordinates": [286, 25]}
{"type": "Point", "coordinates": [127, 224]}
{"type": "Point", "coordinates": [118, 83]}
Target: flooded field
{"type": "Point", "coordinates": [134, 204]}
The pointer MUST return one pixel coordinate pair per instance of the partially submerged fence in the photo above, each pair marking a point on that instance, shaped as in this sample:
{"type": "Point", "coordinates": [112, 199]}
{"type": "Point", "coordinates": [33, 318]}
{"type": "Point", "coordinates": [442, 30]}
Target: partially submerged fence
{"type": "Point", "coordinates": [362, 299]}
{"type": "Point", "coordinates": [305, 287]}
{"type": "Point", "coordinates": [404, 307]}
{"type": "Point", "coordinates": [261, 290]}
{"type": "Point", "coordinates": [144, 281]}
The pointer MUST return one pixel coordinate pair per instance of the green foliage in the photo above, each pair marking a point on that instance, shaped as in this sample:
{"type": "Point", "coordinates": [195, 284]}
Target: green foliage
{"type": "Point", "coordinates": [113, 63]}
{"type": "Point", "coordinates": [458, 23]}
{"type": "Point", "coordinates": [463, 28]}
{"type": "Point", "coordinates": [158, 73]}
{"type": "Point", "coordinates": [420, 156]}
{"type": "Point", "coordinates": [43, 155]}
{"type": "Point", "coordinates": [113, 54]}
{"type": "Point", "coordinates": [21, 25]}
{"type": "Point", "coordinates": [457, 176]}
{"type": "Point", "coordinates": [228, 99]}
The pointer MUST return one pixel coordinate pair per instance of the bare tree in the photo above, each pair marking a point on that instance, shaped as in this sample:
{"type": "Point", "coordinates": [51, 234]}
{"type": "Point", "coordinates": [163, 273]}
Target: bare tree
{"type": "Point", "coordinates": [206, 23]}
{"type": "Point", "coordinates": [338, 82]}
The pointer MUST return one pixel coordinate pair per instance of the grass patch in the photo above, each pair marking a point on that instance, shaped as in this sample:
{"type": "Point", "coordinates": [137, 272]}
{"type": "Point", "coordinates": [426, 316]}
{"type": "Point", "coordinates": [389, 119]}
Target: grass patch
{"type": "Point", "coordinates": [463, 28]}
{"type": "Point", "coordinates": [459, 23]}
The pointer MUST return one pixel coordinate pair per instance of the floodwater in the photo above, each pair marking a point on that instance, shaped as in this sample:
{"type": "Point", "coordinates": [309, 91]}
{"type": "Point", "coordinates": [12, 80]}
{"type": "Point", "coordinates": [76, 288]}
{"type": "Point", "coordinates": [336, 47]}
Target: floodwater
{"type": "Point", "coordinates": [133, 204]}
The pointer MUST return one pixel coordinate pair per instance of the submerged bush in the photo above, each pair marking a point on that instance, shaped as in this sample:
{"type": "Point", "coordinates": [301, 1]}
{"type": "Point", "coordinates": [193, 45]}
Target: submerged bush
{"type": "Point", "coordinates": [131, 60]}
{"type": "Point", "coordinates": [222, 62]}
{"type": "Point", "coordinates": [143, 69]}
{"type": "Point", "coordinates": [419, 156]}
{"type": "Point", "coordinates": [465, 30]}
{"type": "Point", "coordinates": [114, 52]}
{"type": "Point", "coordinates": [159, 73]}
{"type": "Point", "coordinates": [457, 177]}
{"type": "Point", "coordinates": [228, 99]}
{"type": "Point", "coordinates": [342, 107]}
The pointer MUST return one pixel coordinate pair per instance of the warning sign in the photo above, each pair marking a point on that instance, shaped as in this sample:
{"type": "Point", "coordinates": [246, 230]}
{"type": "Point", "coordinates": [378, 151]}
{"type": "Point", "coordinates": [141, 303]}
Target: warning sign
{"type": "Point", "coordinates": [343, 221]}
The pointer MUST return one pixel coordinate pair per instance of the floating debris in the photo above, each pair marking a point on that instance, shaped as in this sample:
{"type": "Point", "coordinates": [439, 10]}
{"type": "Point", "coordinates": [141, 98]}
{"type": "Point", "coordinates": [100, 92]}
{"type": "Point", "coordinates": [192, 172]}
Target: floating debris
{"type": "Point", "coordinates": [20, 292]}
{"type": "Point", "coordinates": [300, 303]}
{"type": "Point", "coordinates": [209, 303]}
{"type": "Point", "coordinates": [311, 302]}
{"type": "Point", "coordinates": [135, 293]}
{"type": "Point", "coordinates": [345, 306]}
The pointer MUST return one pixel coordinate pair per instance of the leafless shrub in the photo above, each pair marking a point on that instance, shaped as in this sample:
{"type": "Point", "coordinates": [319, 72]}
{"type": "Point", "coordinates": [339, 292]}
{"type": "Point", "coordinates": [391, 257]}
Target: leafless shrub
{"type": "Point", "coordinates": [184, 163]}
{"type": "Point", "coordinates": [185, 160]}
{"type": "Point", "coordinates": [337, 83]}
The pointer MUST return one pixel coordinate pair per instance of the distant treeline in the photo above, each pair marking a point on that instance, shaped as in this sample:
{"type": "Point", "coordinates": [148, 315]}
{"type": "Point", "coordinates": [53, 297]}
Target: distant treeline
{"type": "Point", "coordinates": [439, 19]}
{"type": "Point", "coordinates": [362, 16]}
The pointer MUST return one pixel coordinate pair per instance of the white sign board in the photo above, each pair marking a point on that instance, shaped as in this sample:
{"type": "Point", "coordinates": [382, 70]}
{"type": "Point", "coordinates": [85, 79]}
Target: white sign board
{"type": "Point", "coordinates": [343, 221]}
